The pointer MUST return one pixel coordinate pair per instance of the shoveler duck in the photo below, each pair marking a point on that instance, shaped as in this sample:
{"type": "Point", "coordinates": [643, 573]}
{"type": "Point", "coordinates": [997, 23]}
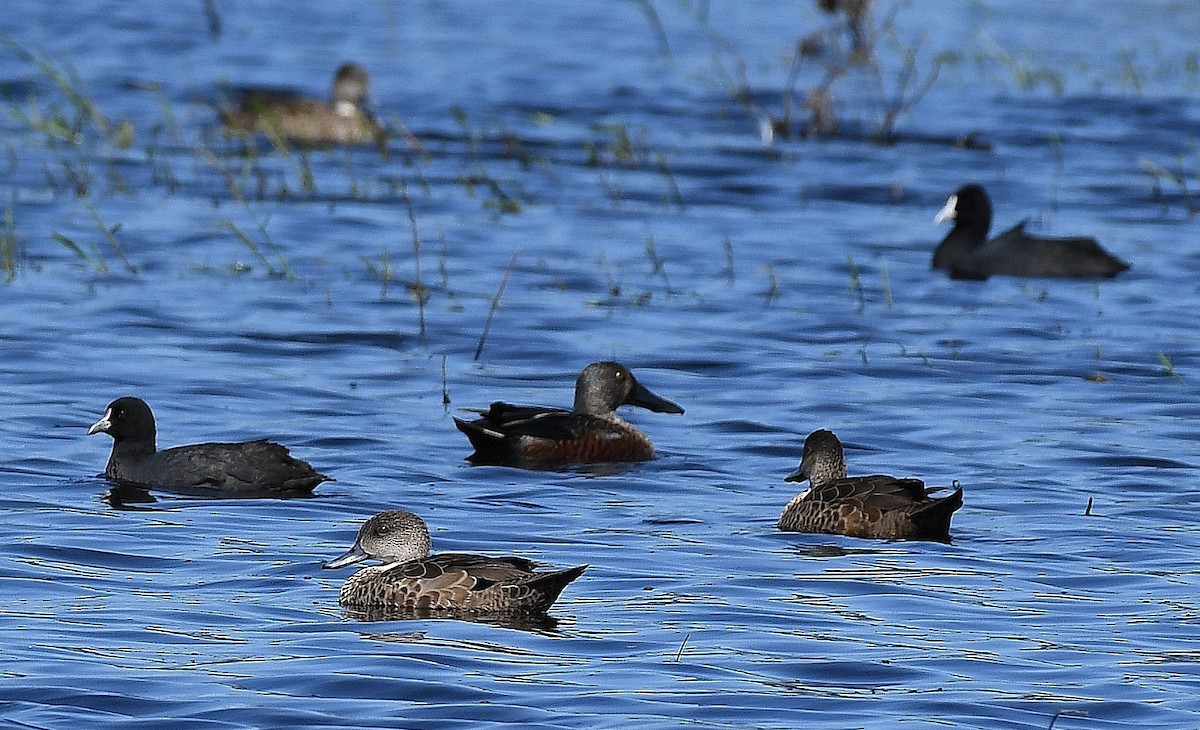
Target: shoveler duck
{"type": "Point", "coordinates": [285, 115]}
{"type": "Point", "coordinates": [877, 506]}
{"type": "Point", "coordinates": [966, 252]}
{"type": "Point", "coordinates": [591, 432]}
{"type": "Point", "coordinates": [412, 579]}
{"type": "Point", "coordinates": [245, 469]}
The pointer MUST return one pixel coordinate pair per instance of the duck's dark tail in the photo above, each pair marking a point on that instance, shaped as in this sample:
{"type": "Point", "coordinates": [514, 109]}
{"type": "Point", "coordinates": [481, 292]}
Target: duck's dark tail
{"type": "Point", "coordinates": [490, 447]}
{"type": "Point", "coordinates": [548, 586]}
{"type": "Point", "coordinates": [933, 520]}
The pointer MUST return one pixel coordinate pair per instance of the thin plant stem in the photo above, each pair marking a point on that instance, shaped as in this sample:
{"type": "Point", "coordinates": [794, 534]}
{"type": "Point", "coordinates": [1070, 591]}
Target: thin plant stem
{"type": "Point", "coordinates": [112, 239]}
{"type": "Point", "coordinates": [487, 325]}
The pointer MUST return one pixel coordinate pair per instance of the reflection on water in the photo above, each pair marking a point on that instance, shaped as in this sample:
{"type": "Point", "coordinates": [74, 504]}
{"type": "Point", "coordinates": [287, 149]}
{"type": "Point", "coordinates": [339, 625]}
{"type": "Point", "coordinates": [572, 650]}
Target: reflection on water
{"type": "Point", "coordinates": [128, 496]}
{"type": "Point", "coordinates": [533, 622]}
{"type": "Point", "coordinates": [335, 300]}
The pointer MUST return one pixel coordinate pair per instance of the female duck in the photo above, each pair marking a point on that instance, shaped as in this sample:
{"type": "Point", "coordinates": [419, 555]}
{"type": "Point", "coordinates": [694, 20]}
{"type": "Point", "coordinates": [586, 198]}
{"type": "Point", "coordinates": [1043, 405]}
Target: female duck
{"type": "Point", "coordinates": [285, 115]}
{"type": "Point", "coordinates": [412, 579]}
{"type": "Point", "coordinates": [591, 432]}
{"type": "Point", "coordinates": [877, 506]}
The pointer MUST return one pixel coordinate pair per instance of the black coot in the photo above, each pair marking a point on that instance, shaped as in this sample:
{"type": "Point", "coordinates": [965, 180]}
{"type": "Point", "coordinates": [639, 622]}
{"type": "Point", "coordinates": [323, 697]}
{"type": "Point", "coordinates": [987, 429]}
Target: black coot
{"type": "Point", "coordinates": [248, 469]}
{"type": "Point", "coordinates": [966, 252]}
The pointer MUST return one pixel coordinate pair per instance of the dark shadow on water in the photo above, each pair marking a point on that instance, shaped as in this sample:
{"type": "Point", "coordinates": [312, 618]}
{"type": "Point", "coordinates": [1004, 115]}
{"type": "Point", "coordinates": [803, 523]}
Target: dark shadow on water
{"type": "Point", "coordinates": [125, 496]}
{"type": "Point", "coordinates": [597, 469]}
{"type": "Point", "coordinates": [1127, 461]}
{"type": "Point", "coordinates": [667, 521]}
{"type": "Point", "coordinates": [834, 551]}
{"type": "Point", "coordinates": [536, 623]}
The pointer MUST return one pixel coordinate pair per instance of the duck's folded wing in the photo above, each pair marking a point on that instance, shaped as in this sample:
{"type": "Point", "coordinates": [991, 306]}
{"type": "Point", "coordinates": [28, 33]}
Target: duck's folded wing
{"type": "Point", "coordinates": [536, 421]}
{"type": "Point", "coordinates": [877, 491]}
{"type": "Point", "coordinates": [462, 572]}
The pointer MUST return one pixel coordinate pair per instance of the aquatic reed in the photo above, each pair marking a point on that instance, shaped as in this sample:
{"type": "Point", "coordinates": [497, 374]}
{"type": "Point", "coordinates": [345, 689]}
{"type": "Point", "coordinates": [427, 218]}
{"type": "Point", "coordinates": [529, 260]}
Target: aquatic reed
{"type": "Point", "coordinates": [8, 246]}
{"type": "Point", "coordinates": [283, 269]}
{"type": "Point", "coordinates": [1168, 369]}
{"type": "Point", "coordinates": [445, 388]}
{"type": "Point", "coordinates": [487, 324]}
{"type": "Point", "coordinates": [657, 265]}
{"type": "Point", "coordinates": [1158, 173]}
{"type": "Point", "coordinates": [94, 260]}
{"type": "Point", "coordinates": [418, 290]}
{"type": "Point", "coordinates": [856, 285]}
{"type": "Point", "coordinates": [772, 286]}
{"type": "Point", "coordinates": [111, 238]}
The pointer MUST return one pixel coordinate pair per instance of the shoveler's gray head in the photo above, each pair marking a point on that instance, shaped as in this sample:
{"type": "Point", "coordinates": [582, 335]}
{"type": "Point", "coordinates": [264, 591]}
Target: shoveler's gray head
{"type": "Point", "coordinates": [822, 460]}
{"type": "Point", "coordinates": [602, 386]}
{"type": "Point", "coordinates": [396, 536]}
{"type": "Point", "coordinates": [350, 85]}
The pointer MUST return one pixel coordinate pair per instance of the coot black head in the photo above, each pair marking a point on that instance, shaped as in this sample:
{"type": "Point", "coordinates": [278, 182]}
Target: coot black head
{"type": "Point", "coordinates": [968, 206]}
{"type": "Point", "coordinates": [127, 419]}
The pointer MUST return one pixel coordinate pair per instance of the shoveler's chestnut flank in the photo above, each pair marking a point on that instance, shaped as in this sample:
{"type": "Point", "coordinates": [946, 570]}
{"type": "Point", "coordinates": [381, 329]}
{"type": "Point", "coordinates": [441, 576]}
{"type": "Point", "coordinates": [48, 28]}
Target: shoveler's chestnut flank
{"type": "Point", "coordinates": [410, 578]}
{"type": "Point", "coordinates": [966, 252]}
{"type": "Point", "coordinates": [247, 469]}
{"type": "Point", "coordinates": [591, 432]}
{"type": "Point", "coordinates": [343, 120]}
{"type": "Point", "coordinates": [878, 506]}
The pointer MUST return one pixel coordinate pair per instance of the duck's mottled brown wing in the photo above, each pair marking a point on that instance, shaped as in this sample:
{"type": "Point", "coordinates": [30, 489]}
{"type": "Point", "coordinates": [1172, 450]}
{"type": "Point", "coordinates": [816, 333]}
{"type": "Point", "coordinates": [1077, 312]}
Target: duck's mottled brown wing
{"type": "Point", "coordinates": [877, 506]}
{"type": "Point", "coordinates": [877, 492]}
{"type": "Point", "coordinates": [459, 581]}
{"type": "Point", "coordinates": [485, 569]}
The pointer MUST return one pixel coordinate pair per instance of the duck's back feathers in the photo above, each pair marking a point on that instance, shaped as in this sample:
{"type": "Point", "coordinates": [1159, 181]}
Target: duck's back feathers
{"type": "Point", "coordinates": [875, 506]}
{"type": "Point", "coordinates": [506, 420]}
{"type": "Point", "coordinates": [879, 492]}
{"type": "Point", "coordinates": [458, 582]}
{"type": "Point", "coordinates": [531, 436]}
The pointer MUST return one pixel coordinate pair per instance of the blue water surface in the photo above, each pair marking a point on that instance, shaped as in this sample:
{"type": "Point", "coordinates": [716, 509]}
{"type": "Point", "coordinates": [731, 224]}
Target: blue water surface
{"type": "Point", "coordinates": [585, 181]}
